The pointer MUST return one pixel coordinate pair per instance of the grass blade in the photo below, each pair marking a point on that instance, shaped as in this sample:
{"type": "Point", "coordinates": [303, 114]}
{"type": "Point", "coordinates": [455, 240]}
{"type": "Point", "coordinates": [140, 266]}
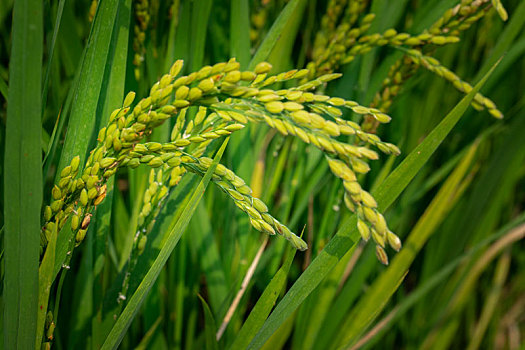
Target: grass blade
{"type": "Point", "coordinates": [3, 88]}
{"type": "Point", "coordinates": [45, 280]}
{"type": "Point", "coordinates": [492, 300]}
{"type": "Point", "coordinates": [275, 33]}
{"type": "Point", "coordinates": [319, 303]}
{"type": "Point", "coordinates": [112, 100]}
{"type": "Point", "coordinates": [209, 326]}
{"type": "Point", "coordinates": [204, 245]}
{"type": "Point", "coordinates": [200, 14]}
{"type": "Point", "coordinates": [264, 305]}
{"type": "Point", "coordinates": [284, 45]}
{"type": "Point", "coordinates": [119, 329]}
{"type": "Point", "coordinates": [240, 31]}
{"type": "Point", "coordinates": [51, 53]}
{"type": "Point", "coordinates": [83, 113]}
{"type": "Point", "coordinates": [347, 236]}
{"type": "Point", "coordinates": [145, 342]}
{"type": "Point", "coordinates": [23, 176]}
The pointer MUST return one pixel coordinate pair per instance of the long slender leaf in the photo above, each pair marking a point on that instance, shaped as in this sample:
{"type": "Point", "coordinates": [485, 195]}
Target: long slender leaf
{"type": "Point", "coordinates": [200, 13]}
{"type": "Point", "coordinates": [274, 35]}
{"type": "Point", "coordinates": [285, 43]}
{"type": "Point", "coordinates": [209, 327]}
{"type": "Point", "coordinates": [321, 300]}
{"type": "Point", "coordinates": [83, 113]}
{"type": "Point", "coordinates": [52, 52]}
{"type": "Point", "coordinates": [45, 280]}
{"type": "Point", "coordinates": [240, 31]}
{"type": "Point", "coordinates": [144, 343]}
{"type": "Point", "coordinates": [60, 123]}
{"type": "Point", "coordinates": [345, 299]}
{"type": "Point", "coordinates": [203, 243]}
{"type": "Point", "coordinates": [23, 177]}
{"type": "Point", "coordinates": [264, 305]}
{"type": "Point", "coordinates": [113, 99]}
{"type": "Point", "coordinates": [3, 88]}
{"type": "Point", "coordinates": [491, 302]}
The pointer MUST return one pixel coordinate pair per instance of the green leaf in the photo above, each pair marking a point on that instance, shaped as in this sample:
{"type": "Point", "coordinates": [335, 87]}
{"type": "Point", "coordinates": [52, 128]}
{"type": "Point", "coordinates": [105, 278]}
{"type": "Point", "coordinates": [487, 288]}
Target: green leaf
{"type": "Point", "coordinates": [240, 31]}
{"type": "Point", "coordinates": [3, 88]}
{"type": "Point", "coordinates": [350, 292]}
{"type": "Point", "coordinates": [83, 113]}
{"type": "Point", "coordinates": [112, 100]}
{"type": "Point", "coordinates": [205, 247]}
{"type": "Point", "coordinates": [264, 305]}
{"type": "Point", "coordinates": [347, 236]}
{"type": "Point", "coordinates": [119, 329]}
{"type": "Point", "coordinates": [45, 280]}
{"type": "Point", "coordinates": [181, 47]}
{"type": "Point", "coordinates": [491, 302]}
{"type": "Point", "coordinates": [281, 336]}
{"type": "Point", "coordinates": [51, 55]}
{"type": "Point", "coordinates": [281, 54]}
{"type": "Point", "coordinates": [200, 15]}
{"type": "Point", "coordinates": [209, 327]}
{"type": "Point", "coordinates": [276, 31]}
{"type": "Point", "coordinates": [60, 123]}
{"type": "Point", "coordinates": [320, 301]}
{"type": "Point", "coordinates": [146, 340]}
{"type": "Point", "coordinates": [23, 176]}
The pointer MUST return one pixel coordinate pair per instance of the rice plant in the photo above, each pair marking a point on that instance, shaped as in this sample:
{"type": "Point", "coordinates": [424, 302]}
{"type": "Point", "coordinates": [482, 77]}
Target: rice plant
{"type": "Point", "coordinates": [262, 174]}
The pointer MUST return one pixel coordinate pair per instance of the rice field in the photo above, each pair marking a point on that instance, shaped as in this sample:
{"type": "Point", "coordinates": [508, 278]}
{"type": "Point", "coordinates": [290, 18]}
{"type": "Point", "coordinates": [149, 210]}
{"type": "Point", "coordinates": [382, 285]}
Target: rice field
{"type": "Point", "coordinates": [256, 174]}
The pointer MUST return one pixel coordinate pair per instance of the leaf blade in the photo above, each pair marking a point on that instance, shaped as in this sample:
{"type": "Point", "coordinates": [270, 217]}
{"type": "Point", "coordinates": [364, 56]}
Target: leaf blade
{"type": "Point", "coordinates": [240, 31]}
{"type": "Point", "coordinates": [23, 176]}
{"type": "Point", "coordinates": [209, 326]}
{"type": "Point", "coordinates": [273, 36]}
{"type": "Point", "coordinates": [264, 304]}
{"type": "Point", "coordinates": [82, 120]}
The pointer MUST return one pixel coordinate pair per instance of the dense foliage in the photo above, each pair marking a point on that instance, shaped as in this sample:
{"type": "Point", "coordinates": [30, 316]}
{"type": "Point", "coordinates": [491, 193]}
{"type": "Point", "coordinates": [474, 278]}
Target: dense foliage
{"type": "Point", "coordinates": [328, 123]}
